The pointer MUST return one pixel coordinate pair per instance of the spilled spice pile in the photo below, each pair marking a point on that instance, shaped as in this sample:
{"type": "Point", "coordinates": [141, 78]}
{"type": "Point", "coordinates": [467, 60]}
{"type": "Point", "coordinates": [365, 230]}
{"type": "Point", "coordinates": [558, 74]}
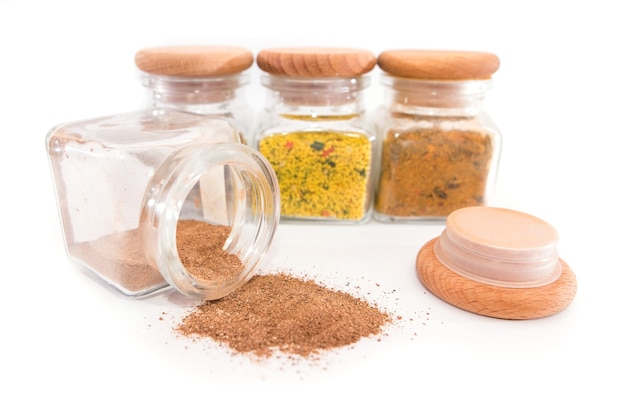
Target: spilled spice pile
{"type": "Point", "coordinates": [286, 313]}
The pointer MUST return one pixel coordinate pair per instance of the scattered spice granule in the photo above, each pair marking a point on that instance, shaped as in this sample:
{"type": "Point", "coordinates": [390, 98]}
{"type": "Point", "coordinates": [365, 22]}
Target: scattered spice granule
{"type": "Point", "coordinates": [282, 312]}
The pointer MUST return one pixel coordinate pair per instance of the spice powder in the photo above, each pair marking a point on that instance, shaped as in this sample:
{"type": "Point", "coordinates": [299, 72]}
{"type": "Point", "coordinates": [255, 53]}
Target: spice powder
{"type": "Point", "coordinates": [286, 313]}
{"type": "Point", "coordinates": [432, 172]}
{"type": "Point", "coordinates": [200, 247]}
{"type": "Point", "coordinates": [321, 174]}
{"type": "Point", "coordinates": [270, 312]}
{"type": "Point", "coordinates": [119, 258]}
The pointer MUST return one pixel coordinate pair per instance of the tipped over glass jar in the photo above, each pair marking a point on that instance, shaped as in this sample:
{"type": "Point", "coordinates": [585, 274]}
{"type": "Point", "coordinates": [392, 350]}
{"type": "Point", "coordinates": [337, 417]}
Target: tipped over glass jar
{"type": "Point", "coordinates": [126, 183]}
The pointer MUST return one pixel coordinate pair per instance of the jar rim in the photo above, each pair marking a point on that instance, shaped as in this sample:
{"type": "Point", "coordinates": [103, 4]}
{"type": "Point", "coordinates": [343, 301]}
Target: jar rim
{"type": "Point", "coordinates": [172, 186]}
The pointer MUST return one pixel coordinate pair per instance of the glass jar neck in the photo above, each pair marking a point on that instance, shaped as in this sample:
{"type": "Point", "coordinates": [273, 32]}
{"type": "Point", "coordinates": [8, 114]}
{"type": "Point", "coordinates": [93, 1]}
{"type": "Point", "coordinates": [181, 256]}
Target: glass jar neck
{"type": "Point", "coordinates": [200, 95]}
{"type": "Point", "coordinates": [315, 98]}
{"type": "Point", "coordinates": [433, 97]}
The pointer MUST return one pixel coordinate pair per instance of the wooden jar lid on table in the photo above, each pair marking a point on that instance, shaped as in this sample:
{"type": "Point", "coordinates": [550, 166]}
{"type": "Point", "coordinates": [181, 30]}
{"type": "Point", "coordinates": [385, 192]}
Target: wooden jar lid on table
{"type": "Point", "coordinates": [499, 263]}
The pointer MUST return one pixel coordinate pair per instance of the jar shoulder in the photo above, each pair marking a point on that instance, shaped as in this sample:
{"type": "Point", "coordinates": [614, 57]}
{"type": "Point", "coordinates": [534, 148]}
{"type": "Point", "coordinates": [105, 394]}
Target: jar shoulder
{"type": "Point", "coordinates": [147, 128]}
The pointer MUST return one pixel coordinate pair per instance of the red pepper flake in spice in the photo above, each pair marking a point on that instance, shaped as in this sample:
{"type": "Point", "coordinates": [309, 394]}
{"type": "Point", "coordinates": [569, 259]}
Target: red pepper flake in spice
{"type": "Point", "coordinates": [321, 172]}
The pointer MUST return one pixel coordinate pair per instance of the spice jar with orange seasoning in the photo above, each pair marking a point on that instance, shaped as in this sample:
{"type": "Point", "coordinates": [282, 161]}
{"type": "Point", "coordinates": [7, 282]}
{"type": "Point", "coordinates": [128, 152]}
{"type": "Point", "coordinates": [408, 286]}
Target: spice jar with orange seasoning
{"type": "Point", "coordinates": [314, 132]}
{"type": "Point", "coordinates": [440, 149]}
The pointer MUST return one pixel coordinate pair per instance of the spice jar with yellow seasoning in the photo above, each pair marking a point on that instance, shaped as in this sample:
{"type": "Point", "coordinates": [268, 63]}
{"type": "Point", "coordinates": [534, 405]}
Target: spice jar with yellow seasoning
{"type": "Point", "coordinates": [130, 186]}
{"type": "Point", "coordinates": [315, 133]}
{"type": "Point", "coordinates": [440, 149]}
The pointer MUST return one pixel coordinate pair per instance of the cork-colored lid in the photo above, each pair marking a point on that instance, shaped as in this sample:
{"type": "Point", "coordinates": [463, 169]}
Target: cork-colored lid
{"type": "Point", "coordinates": [497, 262]}
{"type": "Point", "coordinates": [500, 246]}
{"type": "Point", "coordinates": [438, 64]}
{"type": "Point", "coordinates": [494, 301]}
{"type": "Point", "coordinates": [194, 61]}
{"type": "Point", "coordinates": [316, 62]}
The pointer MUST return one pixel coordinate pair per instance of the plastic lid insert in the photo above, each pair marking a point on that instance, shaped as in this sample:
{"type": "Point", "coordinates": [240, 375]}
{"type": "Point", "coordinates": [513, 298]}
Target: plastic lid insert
{"type": "Point", "coordinates": [500, 247]}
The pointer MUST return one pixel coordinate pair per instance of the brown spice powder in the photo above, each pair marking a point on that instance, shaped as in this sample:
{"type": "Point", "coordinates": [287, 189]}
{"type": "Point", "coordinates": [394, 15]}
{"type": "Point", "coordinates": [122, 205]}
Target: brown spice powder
{"type": "Point", "coordinates": [119, 258]}
{"type": "Point", "coordinates": [201, 250]}
{"type": "Point", "coordinates": [286, 313]}
{"type": "Point", "coordinates": [271, 312]}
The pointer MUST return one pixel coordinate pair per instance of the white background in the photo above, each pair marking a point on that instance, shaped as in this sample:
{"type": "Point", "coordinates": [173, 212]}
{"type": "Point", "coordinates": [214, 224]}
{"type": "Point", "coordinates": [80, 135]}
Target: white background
{"type": "Point", "coordinates": [72, 347]}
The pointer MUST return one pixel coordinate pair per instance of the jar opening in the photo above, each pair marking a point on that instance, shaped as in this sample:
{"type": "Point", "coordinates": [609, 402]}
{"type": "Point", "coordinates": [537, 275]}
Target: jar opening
{"type": "Point", "coordinates": [224, 201]}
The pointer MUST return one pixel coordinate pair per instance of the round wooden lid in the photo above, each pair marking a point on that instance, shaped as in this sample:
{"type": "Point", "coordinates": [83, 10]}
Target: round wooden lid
{"type": "Point", "coordinates": [194, 61]}
{"type": "Point", "coordinates": [316, 62]}
{"type": "Point", "coordinates": [438, 65]}
{"type": "Point", "coordinates": [494, 301]}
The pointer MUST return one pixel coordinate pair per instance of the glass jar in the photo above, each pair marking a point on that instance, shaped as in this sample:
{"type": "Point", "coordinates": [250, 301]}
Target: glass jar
{"type": "Point", "coordinates": [126, 185]}
{"type": "Point", "coordinates": [314, 132]}
{"type": "Point", "coordinates": [204, 79]}
{"type": "Point", "coordinates": [440, 149]}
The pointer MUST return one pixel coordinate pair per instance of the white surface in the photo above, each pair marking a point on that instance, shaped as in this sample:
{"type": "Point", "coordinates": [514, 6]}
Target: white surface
{"type": "Point", "coordinates": [72, 347]}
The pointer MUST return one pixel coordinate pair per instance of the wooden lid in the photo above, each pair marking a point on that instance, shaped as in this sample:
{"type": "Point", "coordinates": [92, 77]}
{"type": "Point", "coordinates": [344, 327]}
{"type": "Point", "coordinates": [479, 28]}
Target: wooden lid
{"type": "Point", "coordinates": [316, 62]}
{"type": "Point", "coordinates": [194, 61]}
{"type": "Point", "coordinates": [438, 65]}
{"type": "Point", "coordinates": [500, 246]}
{"type": "Point", "coordinates": [490, 300]}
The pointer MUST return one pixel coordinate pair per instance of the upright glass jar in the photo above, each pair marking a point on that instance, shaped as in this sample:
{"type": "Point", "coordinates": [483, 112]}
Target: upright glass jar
{"type": "Point", "coordinates": [125, 183]}
{"type": "Point", "coordinates": [315, 133]}
{"type": "Point", "coordinates": [440, 149]}
{"type": "Point", "coordinates": [204, 79]}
